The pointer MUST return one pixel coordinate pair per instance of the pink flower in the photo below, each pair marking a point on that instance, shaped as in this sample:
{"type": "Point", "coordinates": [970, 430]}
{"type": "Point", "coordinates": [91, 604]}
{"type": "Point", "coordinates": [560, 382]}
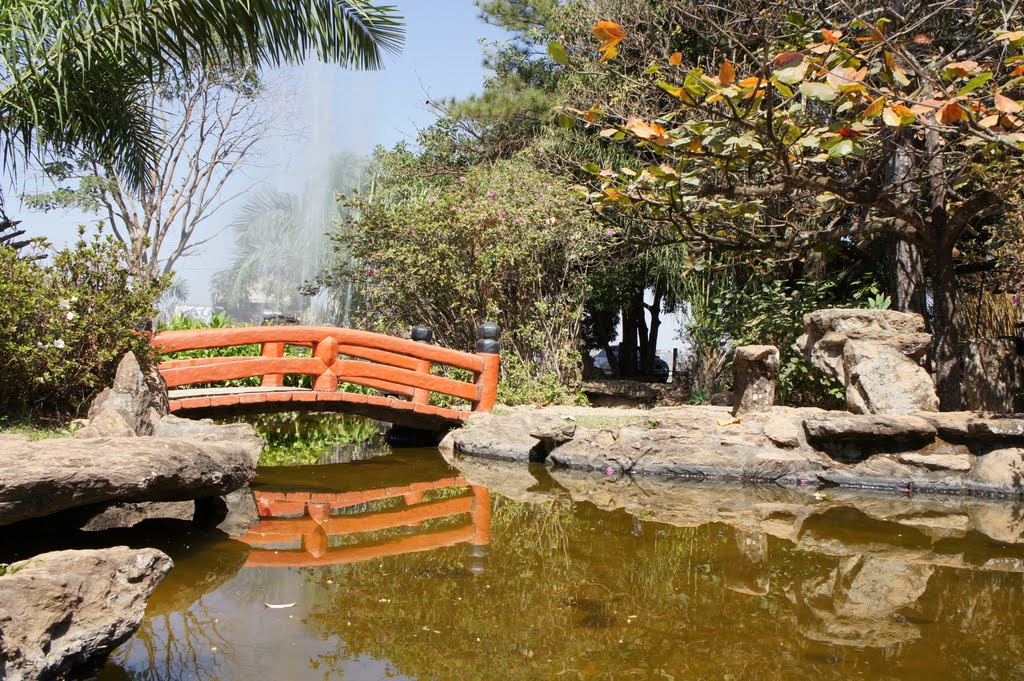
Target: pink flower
{"type": "Point", "coordinates": [462, 180]}
{"type": "Point", "coordinates": [490, 194]}
{"type": "Point", "coordinates": [432, 199]}
{"type": "Point", "coordinates": [609, 470]}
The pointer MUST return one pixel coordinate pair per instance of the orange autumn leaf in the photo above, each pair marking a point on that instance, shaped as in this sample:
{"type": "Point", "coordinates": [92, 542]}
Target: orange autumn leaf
{"type": "Point", "coordinates": [610, 34]}
{"type": "Point", "coordinates": [1017, 71]}
{"type": "Point", "coordinates": [753, 81]}
{"type": "Point", "coordinates": [1006, 105]}
{"type": "Point", "coordinates": [727, 74]}
{"type": "Point", "coordinates": [874, 108]}
{"type": "Point", "coordinates": [676, 59]}
{"type": "Point", "coordinates": [951, 113]}
{"type": "Point", "coordinates": [787, 60]}
{"type": "Point", "coordinates": [831, 36]}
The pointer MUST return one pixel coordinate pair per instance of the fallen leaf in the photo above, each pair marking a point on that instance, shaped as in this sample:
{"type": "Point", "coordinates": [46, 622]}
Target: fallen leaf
{"type": "Point", "coordinates": [951, 113]}
{"type": "Point", "coordinates": [1006, 105]}
{"type": "Point", "coordinates": [728, 422]}
{"type": "Point", "coordinates": [676, 59]}
{"type": "Point", "coordinates": [726, 74]}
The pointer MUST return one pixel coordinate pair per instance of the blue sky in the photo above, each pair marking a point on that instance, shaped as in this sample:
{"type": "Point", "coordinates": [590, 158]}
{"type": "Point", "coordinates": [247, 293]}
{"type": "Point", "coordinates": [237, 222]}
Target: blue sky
{"type": "Point", "coordinates": [353, 112]}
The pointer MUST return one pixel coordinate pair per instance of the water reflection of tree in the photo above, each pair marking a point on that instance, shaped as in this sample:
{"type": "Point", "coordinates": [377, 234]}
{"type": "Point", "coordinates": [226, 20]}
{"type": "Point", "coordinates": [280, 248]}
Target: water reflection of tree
{"type": "Point", "coordinates": [570, 592]}
{"type": "Point", "coordinates": [181, 645]}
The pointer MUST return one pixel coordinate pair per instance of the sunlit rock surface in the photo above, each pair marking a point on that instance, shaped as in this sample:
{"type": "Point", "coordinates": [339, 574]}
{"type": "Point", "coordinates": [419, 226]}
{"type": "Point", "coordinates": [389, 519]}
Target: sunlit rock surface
{"type": "Point", "coordinates": [61, 611]}
{"type": "Point", "coordinates": [926, 451]}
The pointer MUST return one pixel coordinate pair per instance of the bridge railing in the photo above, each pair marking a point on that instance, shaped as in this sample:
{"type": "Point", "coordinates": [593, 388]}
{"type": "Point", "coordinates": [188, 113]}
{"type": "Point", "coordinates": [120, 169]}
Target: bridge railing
{"type": "Point", "coordinates": [394, 365]}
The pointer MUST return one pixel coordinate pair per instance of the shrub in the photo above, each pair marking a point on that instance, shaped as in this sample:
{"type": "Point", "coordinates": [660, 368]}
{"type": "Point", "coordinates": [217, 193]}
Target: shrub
{"type": "Point", "coordinates": [66, 322]}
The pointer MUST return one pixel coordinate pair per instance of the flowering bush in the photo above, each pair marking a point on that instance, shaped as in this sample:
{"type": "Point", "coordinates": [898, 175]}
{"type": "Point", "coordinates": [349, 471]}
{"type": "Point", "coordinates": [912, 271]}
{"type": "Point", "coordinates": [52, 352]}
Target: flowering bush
{"type": "Point", "coordinates": [65, 323]}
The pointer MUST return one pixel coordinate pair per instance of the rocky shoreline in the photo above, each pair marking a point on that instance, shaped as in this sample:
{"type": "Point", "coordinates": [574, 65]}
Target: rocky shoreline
{"type": "Point", "coordinates": [947, 452]}
{"type": "Point", "coordinates": [63, 611]}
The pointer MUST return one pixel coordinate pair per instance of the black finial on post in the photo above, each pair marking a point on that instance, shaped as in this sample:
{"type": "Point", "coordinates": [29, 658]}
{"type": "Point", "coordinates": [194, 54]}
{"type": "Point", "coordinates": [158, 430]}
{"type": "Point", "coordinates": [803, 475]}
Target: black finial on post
{"type": "Point", "coordinates": [488, 338]}
{"type": "Point", "coordinates": [422, 334]}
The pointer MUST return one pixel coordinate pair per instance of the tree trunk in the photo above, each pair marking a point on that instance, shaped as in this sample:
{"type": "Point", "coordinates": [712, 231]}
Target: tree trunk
{"type": "Point", "coordinates": [946, 342]}
{"type": "Point", "coordinates": [905, 262]}
{"type": "Point", "coordinates": [628, 346]}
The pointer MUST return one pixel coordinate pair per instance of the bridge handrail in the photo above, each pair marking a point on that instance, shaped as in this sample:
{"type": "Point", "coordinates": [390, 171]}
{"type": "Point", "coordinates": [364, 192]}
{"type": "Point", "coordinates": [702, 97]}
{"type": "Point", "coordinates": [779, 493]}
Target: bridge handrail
{"type": "Point", "coordinates": [392, 364]}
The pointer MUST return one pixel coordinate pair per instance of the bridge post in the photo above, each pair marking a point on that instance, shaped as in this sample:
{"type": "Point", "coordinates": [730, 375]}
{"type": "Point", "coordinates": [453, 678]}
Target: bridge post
{"type": "Point", "coordinates": [422, 334]}
{"type": "Point", "coordinates": [327, 352]}
{"type": "Point", "coordinates": [488, 346]}
{"type": "Point", "coordinates": [273, 351]}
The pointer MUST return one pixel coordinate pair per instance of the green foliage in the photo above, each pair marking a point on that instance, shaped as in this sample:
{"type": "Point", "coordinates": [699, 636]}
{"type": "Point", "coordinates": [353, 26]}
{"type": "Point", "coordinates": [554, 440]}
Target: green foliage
{"type": "Point", "coordinates": [506, 243]}
{"type": "Point", "coordinates": [65, 324]}
{"type": "Point", "coordinates": [521, 384]}
{"type": "Point", "coordinates": [738, 309]}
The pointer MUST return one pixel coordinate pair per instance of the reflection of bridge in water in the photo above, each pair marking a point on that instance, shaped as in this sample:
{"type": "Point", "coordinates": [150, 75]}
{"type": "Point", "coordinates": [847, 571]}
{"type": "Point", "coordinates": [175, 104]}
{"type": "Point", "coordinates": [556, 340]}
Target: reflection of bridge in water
{"type": "Point", "coordinates": [311, 519]}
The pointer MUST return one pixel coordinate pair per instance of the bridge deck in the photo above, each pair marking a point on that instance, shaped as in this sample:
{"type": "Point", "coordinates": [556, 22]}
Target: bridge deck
{"type": "Point", "coordinates": [219, 402]}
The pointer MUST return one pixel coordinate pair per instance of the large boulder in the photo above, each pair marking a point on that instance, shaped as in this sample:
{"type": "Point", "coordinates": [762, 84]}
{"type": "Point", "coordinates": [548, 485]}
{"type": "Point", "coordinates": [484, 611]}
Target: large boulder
{"type": "Point", "coordinates": [134, 404]}
{"type": "Point", "coordinates": [64, 610]}
{"type": "Point", "coordinates": [755, 371]}
{"type": "Point", "coordinates": [881, 380]}
{"type": "Point", "coordinates": [42, 478]}
{"type": "Point", "coordinates": [875, 354]}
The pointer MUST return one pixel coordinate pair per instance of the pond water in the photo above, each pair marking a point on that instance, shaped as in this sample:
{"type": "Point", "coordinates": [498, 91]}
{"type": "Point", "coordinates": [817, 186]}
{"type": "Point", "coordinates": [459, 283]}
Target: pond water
{"type": "Point", "coordinates": [402, 566]}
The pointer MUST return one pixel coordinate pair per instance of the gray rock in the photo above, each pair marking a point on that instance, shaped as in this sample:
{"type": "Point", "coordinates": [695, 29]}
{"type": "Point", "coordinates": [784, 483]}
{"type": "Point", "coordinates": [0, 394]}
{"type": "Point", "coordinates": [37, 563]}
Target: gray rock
{"type": "Point", "coordinates": [876, 356]}
{"type": "Point", "coordinates": [946, 461]}
{"type": "Point", "coordinates": [996, 430]}
{"type": "Point", "coordinates": [64, 610]}
{"type": "Point", "coordinates": [620, 393]}
{"type": "Point", "coordinates": [866, 429]}
{"type": "Point", "coordinates": [826, 332]}
{"type": "Point", "coordinates": [139, 398]}
{"type": "Point", "coordinates": [171, 426]}
{"type": "Point", "coordinates": [41, 478]}
{"type": "Point", "coordinates": [880, 380]}
{"type": "Point", "coordinates": [755, 372]}
{"type": "Point", "coordinates": [783, 432]}
{"type": "Point", "coordinates": [106, 423]}
{"type": "Point", "coordinates": [1001, 469]}
{"type": "Point", "coordinates": [507, 437]}
{"type": "Point", "coordinates": [7, 439]}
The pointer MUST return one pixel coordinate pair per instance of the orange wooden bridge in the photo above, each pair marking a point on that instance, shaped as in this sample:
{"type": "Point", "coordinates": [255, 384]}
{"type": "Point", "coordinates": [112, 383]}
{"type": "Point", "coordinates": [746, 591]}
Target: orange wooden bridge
{"type": "Point", "coordinates": [400, 371]}
{"type": "Point", "coordinates": [303, 535]}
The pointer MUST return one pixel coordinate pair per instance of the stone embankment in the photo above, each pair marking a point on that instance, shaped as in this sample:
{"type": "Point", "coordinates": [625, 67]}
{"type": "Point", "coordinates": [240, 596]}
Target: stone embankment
{"type": "Point", "coordinates": [928, 451]}
{"type": "Point", "coordinates": [892, 436]}
{"type": "Point", "coordinates": [64, 611]}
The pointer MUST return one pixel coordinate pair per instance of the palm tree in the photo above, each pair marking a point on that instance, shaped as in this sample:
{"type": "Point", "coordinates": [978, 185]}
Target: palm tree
{"type": "Point", "coordinates": [281, 246]}
{"type": "Point", "coordinates": [72, 71]}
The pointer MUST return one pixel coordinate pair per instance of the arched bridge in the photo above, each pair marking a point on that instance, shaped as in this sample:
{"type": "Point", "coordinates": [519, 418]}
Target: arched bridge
{"type": "Point", "coordinates": [400, 372]}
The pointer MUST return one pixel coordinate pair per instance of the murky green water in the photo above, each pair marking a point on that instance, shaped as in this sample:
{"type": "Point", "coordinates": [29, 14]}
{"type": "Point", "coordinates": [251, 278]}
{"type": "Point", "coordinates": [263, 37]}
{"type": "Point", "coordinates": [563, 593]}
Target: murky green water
{"type": "Point", "coordinates": [405, 567]}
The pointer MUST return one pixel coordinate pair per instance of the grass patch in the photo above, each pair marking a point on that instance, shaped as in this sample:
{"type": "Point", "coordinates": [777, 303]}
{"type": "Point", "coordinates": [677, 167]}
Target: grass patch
{"type": "Point", "coordinates": [610, 421]}
{"type": "Point", "coordinates": [36, 431]}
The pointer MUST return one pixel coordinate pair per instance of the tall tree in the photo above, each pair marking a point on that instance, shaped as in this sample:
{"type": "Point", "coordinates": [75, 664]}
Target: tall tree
{"type": "Point", "coordinates": [776, 139]}
{"type": "Point", "coordinates": [211, 121]}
